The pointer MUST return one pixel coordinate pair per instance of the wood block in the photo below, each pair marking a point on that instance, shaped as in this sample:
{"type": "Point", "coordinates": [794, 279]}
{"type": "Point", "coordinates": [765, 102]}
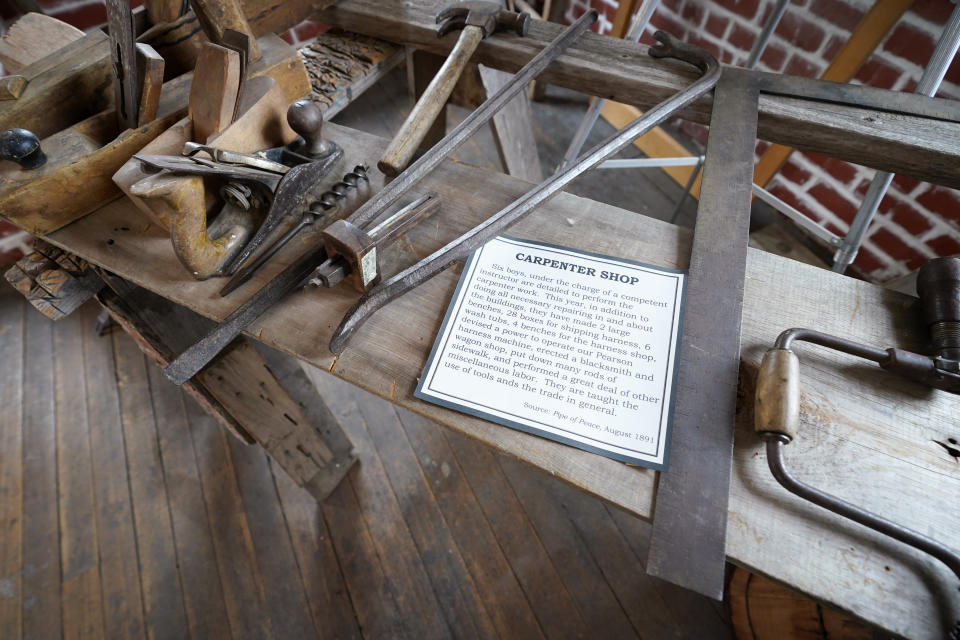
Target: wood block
{"type": "Point", "coordinates": [214, 92]}
{"type": "Point", "coordinates": [150, 70]}
{"type": "Point", "coordinates": [65, 87]}
{"type": "Point", "coordinates": [32, 37]}
{"type": "Point", "coordinates": [56, 283]}
{"type": "Point", "coordinates": [11, 87]}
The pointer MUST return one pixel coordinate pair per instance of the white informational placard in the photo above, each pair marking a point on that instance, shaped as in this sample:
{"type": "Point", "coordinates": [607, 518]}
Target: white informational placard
{"type": "Point", "coordinates": [572, 346]}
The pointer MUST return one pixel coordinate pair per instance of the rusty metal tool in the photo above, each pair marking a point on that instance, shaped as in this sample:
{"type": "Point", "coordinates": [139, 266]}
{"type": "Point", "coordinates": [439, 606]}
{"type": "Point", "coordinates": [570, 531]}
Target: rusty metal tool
{"type": "Point", "coordinates": [476, 20]}
{"type": "Point", "coordinates": [293, 277]}
{"type": "Point", "coordinates": [123, 54]}
{"type": "Point", "coordinates": [329, 201]}
{"type": "Point", "coordinates": [306, 119]}
{"type": "Point", "coordinates": [345, 247]}
{"type": "Point", "coordinates": [461, 248]}
{"type": "Point", "coordinates": [777, 404]}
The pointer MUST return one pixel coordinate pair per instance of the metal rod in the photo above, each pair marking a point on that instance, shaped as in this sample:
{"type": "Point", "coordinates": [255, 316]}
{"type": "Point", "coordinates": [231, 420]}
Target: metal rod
{"type": "Point", "coordinates": [645, 163]}
{"type": "Point", "coordinates": [637, 27]}
{"type": "Point", "coordinates": [840, 507]}
{"type": "Point", "coordinates": [480, 116]}
{"type": "Point", "coordinates": [686, 189]}
{"type": "Point", "coordinates": [930, 81]}
{"type": "Point", "coordinates": [461, 247]}
{"type": "Point", "coordinates": [768, 28]}
{"type": "Point", "coordinates": [798, 218]}
{"type": "Point", "coordinates": [786, 339]}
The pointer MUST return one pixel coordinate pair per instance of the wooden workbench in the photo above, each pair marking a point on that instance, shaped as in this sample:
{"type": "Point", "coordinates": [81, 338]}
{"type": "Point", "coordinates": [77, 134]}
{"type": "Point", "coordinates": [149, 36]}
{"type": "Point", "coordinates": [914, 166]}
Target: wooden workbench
{"type": "Point", "coordinates": [865, 435]}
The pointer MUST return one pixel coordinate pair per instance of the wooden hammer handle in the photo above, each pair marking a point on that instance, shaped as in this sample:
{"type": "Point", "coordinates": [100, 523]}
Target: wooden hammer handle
{"type": "Point", "coordinates": [405, 143]}
{"type": "Point", "coordinates": [777, 405]}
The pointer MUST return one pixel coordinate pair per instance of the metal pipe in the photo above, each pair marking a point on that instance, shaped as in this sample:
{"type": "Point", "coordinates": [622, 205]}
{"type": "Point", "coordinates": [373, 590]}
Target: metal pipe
{"type": "Point", "coordinates": [768, 28]}
{"type": "Point", "coordinates": [645, 163]}
{"type": "Point", "coordinates": [786, 339]}
{"type": "Point", "coordinates": [637, 27]}
{"type": "Point", "coordinates": [798, 218]}
{"type": "Point", "coordinates": [930, 81]}
{"type": "Point", "coordinates": [907, 536]}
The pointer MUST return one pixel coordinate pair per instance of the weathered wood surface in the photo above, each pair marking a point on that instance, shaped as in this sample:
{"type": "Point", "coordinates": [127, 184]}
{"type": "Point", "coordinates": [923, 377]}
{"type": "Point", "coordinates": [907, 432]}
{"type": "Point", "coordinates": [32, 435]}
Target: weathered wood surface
{"type": "Point", "coordinates": [342, 65]}
{"type": "Point", "coordinates": [850, 439]}
{"type": "Point", "coordinates": [429, 522]}
{"type": "Point", "coordinates": [34, 36]}
{"type": "Point", "coordinates": [82, 158]}
{"type": "Point", "coordinates": [622, 71]}
{"type": "Point", "coordinates": [513, 130]}
{"type": "Point", "coordinates": [63, 88]}
{"type": "Point", "coordinates": [55, 282]}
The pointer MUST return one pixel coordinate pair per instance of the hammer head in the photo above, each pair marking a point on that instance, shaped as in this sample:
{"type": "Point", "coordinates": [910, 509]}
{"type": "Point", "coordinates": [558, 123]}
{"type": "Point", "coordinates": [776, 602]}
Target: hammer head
{"type": "Point", "coordinates": [489, 16]}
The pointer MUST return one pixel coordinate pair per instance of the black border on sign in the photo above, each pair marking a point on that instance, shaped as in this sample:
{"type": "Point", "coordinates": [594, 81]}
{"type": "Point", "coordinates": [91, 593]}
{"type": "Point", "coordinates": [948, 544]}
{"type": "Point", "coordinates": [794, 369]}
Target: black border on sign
{"type": "Point", "coordinates": [453, 309]}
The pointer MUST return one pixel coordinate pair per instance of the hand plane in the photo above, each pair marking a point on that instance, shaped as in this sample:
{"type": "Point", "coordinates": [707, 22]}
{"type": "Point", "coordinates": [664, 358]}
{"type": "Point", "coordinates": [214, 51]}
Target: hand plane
{"type": "Point", "coordinates": [214, 199]}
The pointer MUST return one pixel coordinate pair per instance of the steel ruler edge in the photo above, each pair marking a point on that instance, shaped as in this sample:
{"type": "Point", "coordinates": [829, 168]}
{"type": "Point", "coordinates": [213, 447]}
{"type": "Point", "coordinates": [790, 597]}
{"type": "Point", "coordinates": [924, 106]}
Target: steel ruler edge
{"type": "Point", "coordinates": [688, 543]}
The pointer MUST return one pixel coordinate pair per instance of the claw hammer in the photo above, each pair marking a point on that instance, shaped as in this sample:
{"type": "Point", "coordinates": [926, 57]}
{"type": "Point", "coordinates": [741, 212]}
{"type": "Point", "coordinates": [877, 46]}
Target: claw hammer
{"type": "Point", "coordinates": [477, 20]}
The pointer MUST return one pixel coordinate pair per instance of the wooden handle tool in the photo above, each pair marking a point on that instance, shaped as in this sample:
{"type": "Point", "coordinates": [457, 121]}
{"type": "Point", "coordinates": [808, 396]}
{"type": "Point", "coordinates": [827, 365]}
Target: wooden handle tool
{"type": "Point", "coordinates": [213, 94]}
{"type": "Point", "coordinates": [777, 405]}
{"type": "Point", "coordinates": [216, 16]}
{"type": "Point", "coordinates": [352, 252]}
{"type": "Point", "coordinates": [477, 21]}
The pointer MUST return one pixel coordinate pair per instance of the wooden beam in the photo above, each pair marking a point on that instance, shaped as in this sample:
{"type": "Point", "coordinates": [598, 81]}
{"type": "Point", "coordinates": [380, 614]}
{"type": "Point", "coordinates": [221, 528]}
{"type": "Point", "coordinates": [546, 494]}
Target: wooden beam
{"type": "Point", "coordinates": [622, 71]}
{"type": "Point", "coordinates": [862, 42]}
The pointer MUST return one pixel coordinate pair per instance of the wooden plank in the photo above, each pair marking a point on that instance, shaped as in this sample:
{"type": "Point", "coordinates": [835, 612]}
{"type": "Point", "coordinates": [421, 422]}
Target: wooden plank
{"type": "Point", "coordinates": [162, 591]}
{"type": "Point", "coordinates": [64, 88]}
{"type": "Point", "coordinates": [513, 130]}
{"type": "Point", "coordinates": [389, 352]}
{"type": "Point", "coordinates": [12, 334]}
{"type": "Point", "coordinates": [239, 574]}
{"type": "Point", "coordinates": [456, 593]}
{"type": "Point", "coordinates": [82, 610]}
{"type": "Point", "coordinates": [703, 618]}
{"type": "Point", "coordinates": [203, 601]}
{"type": "Point", "coordinates": [32, 37]}
{"type": "Point", "coordinates": [415, 596]}
{"type": "Point", "coordinates": [342, 65]}
{"type": "Point", "coordinates": [645, 599]}
{"type": "Point", "coordinates": [622, 71]}
{"type": "Point", "coordinates": [40, 569]}
{"type": "Point", "coordinates": [284, 601]}
{"type": "Point", "coordinates": [320, 570]}
{"type": "Point", "coordinates": [116, 538]}
{"type": "Point", "coordinates": [516, 594]}
{"type": "Point", "coordinates": [861, 44]}
{"type": "Point", "coordinates": [602, 613]}
{"type": "Point", "coordinates": [371, 592]}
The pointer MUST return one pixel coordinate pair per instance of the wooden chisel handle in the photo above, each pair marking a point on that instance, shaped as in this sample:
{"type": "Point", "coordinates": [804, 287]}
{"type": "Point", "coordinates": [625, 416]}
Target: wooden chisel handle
{"type": "Point", "coordinates": [405, 143]}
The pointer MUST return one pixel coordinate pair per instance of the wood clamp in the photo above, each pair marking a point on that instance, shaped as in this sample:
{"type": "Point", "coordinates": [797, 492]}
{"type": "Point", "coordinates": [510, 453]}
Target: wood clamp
{"type": "Point", "coordinates": [777, 404]}
{"type": "Point", "coordinates": [476, 20]}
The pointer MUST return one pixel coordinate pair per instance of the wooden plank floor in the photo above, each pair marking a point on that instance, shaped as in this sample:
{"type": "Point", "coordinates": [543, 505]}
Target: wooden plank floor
{"type": "Point", "coordinates": [125, 512]}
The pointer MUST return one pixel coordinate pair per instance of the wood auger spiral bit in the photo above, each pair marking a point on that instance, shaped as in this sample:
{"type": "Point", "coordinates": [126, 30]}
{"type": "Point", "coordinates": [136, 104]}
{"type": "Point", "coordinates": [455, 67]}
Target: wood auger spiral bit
{"type": "Point", "coordinates": [460, 248]}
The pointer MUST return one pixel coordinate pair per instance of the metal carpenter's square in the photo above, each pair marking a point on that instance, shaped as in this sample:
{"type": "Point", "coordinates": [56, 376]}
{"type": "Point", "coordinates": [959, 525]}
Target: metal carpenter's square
{"type": "Point", "coordinates": [688, 546]}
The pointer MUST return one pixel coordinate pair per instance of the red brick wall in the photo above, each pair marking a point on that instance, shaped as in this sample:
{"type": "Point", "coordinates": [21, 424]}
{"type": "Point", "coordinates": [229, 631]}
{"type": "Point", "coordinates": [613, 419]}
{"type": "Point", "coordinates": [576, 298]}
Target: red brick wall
{"type": "Point", "coordinates": [916, 220]}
